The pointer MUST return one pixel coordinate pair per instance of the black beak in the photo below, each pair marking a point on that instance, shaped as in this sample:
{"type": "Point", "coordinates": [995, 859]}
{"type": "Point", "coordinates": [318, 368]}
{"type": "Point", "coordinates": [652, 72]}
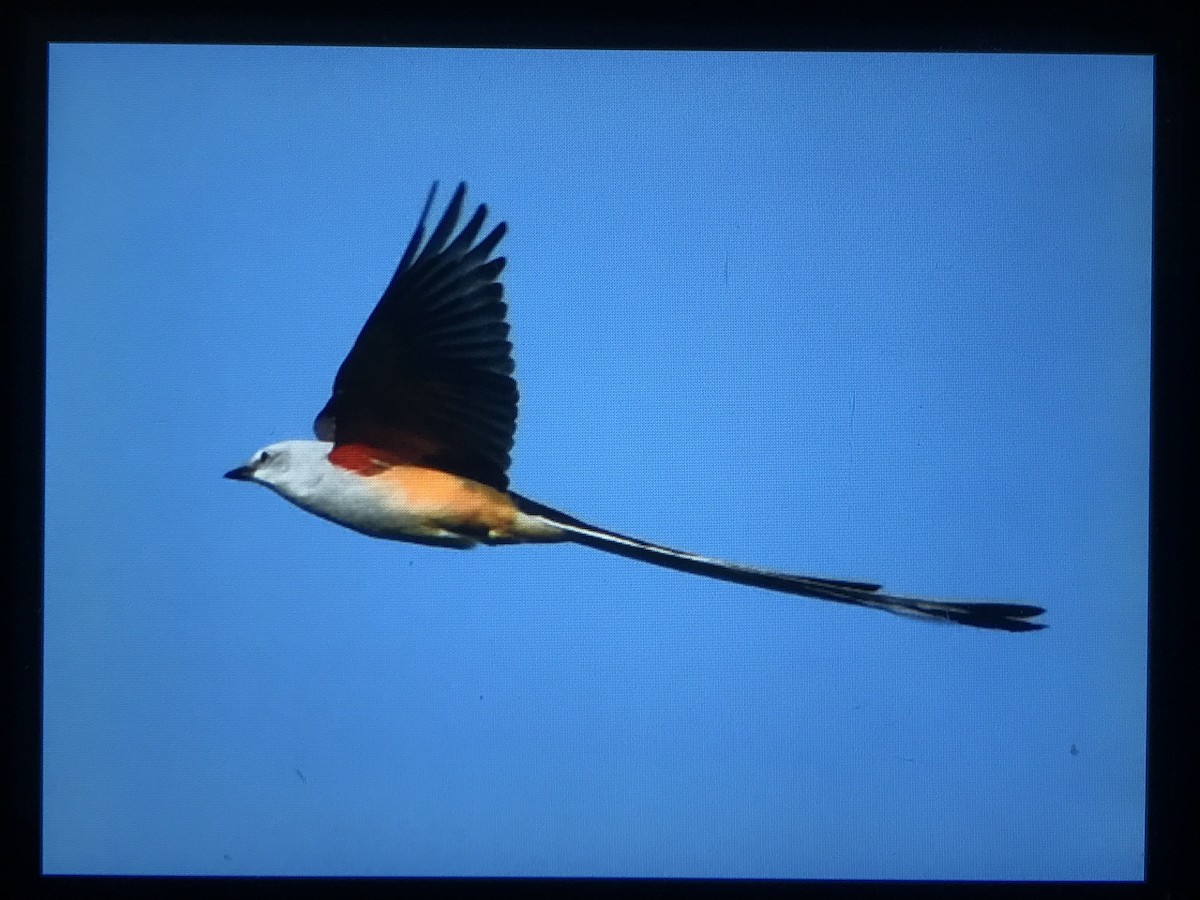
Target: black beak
{"type": "Point", "coordinates": [241, 473]}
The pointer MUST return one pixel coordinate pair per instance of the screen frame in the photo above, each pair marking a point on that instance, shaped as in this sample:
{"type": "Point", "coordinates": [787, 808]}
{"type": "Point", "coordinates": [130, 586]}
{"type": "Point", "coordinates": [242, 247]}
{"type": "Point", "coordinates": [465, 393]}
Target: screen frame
{"type": "Point", "coordinates": [1141, 32]}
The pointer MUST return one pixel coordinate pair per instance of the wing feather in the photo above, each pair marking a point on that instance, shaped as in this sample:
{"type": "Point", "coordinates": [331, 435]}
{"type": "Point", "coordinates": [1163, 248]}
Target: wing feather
{"type": "Point", "coordinates": [429, 378]}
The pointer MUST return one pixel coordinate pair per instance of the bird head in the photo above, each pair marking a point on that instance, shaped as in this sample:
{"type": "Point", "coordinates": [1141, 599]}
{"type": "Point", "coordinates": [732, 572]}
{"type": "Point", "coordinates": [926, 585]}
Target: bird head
{"type": "Point", "coordinates": [282, 465]}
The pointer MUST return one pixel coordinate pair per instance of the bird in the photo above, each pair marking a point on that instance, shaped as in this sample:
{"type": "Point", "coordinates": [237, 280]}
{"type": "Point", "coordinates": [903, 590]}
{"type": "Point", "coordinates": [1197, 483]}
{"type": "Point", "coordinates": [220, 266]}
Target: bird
{"type": "Point", "coordinates": [415, 441]}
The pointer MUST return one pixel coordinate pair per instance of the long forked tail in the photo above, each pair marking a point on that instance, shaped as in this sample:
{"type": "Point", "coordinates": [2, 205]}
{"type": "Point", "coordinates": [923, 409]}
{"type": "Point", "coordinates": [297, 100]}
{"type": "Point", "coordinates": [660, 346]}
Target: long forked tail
{"type": "Point", "coordinates": [1000, 616]}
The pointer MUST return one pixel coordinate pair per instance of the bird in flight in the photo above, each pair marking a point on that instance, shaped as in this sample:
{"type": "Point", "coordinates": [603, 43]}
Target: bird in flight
{"type": "Point", "coordinates": [414, 444]}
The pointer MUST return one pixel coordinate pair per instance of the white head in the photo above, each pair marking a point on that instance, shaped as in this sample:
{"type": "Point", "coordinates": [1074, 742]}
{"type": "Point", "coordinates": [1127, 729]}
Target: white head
{"type": "Point", "coordinates": [301, 472]}
{"type": "Point", "coordinates": [289, 467]}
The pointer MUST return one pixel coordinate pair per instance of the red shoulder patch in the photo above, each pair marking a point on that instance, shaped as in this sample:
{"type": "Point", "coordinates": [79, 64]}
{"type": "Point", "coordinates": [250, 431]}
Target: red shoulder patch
{"type": "Point", "coordinates": [363, 459]}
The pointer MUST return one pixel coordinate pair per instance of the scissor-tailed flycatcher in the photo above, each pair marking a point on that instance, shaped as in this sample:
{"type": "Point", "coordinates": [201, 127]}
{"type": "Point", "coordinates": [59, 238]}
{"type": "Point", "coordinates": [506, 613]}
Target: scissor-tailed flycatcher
{"type": "Point", "coordinates": [414, 443]}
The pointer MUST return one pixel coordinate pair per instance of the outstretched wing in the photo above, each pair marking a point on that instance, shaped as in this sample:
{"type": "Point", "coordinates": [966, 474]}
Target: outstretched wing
{"type": "Point", "coordinates": [429, 378]}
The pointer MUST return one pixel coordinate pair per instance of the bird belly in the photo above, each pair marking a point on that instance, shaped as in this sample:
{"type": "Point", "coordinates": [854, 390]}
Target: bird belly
{"type": "Point", "coordinates": [412, 503]}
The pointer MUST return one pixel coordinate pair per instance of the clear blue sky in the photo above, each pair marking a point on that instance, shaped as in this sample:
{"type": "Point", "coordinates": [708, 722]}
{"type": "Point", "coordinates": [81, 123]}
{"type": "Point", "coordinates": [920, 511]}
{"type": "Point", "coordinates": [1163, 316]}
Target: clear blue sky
{"type": "Point", "coordinates": [873, 316]}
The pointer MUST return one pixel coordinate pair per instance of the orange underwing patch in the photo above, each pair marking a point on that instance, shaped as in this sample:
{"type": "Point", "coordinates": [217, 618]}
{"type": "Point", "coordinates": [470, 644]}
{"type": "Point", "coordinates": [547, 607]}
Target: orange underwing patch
{"type": "Point", "coordinates": [451, 501]}
{"type": "Point", "coordinates": [446, 500]}
{"type": "Point", "coordinates": [363, 459]}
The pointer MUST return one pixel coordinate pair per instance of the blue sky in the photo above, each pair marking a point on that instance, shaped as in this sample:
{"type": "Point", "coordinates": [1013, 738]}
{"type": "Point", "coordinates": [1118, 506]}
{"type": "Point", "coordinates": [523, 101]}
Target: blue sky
{"type": "Point", "coordinates": [872, 316]}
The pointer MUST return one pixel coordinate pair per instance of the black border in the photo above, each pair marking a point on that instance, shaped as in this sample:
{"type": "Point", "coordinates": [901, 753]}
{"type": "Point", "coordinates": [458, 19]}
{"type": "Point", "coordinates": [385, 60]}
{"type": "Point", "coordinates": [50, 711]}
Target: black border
{"type": "Point", "coordinates": [1152, 28]}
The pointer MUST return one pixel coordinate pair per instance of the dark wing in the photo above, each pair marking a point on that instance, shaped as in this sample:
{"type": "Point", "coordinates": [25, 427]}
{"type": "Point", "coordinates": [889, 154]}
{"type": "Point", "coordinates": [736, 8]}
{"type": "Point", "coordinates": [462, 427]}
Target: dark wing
{"type": "Point", "coordinates": [429, 378]}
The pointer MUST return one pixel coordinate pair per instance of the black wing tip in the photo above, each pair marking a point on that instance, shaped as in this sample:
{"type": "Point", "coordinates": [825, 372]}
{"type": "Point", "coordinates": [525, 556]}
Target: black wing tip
{"type": "Point", "coordinates": [455, 204]}
{"type": "Point", "coordinates": [458, 198]}
{"type": "Point", "coordinates": [456, 201]}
